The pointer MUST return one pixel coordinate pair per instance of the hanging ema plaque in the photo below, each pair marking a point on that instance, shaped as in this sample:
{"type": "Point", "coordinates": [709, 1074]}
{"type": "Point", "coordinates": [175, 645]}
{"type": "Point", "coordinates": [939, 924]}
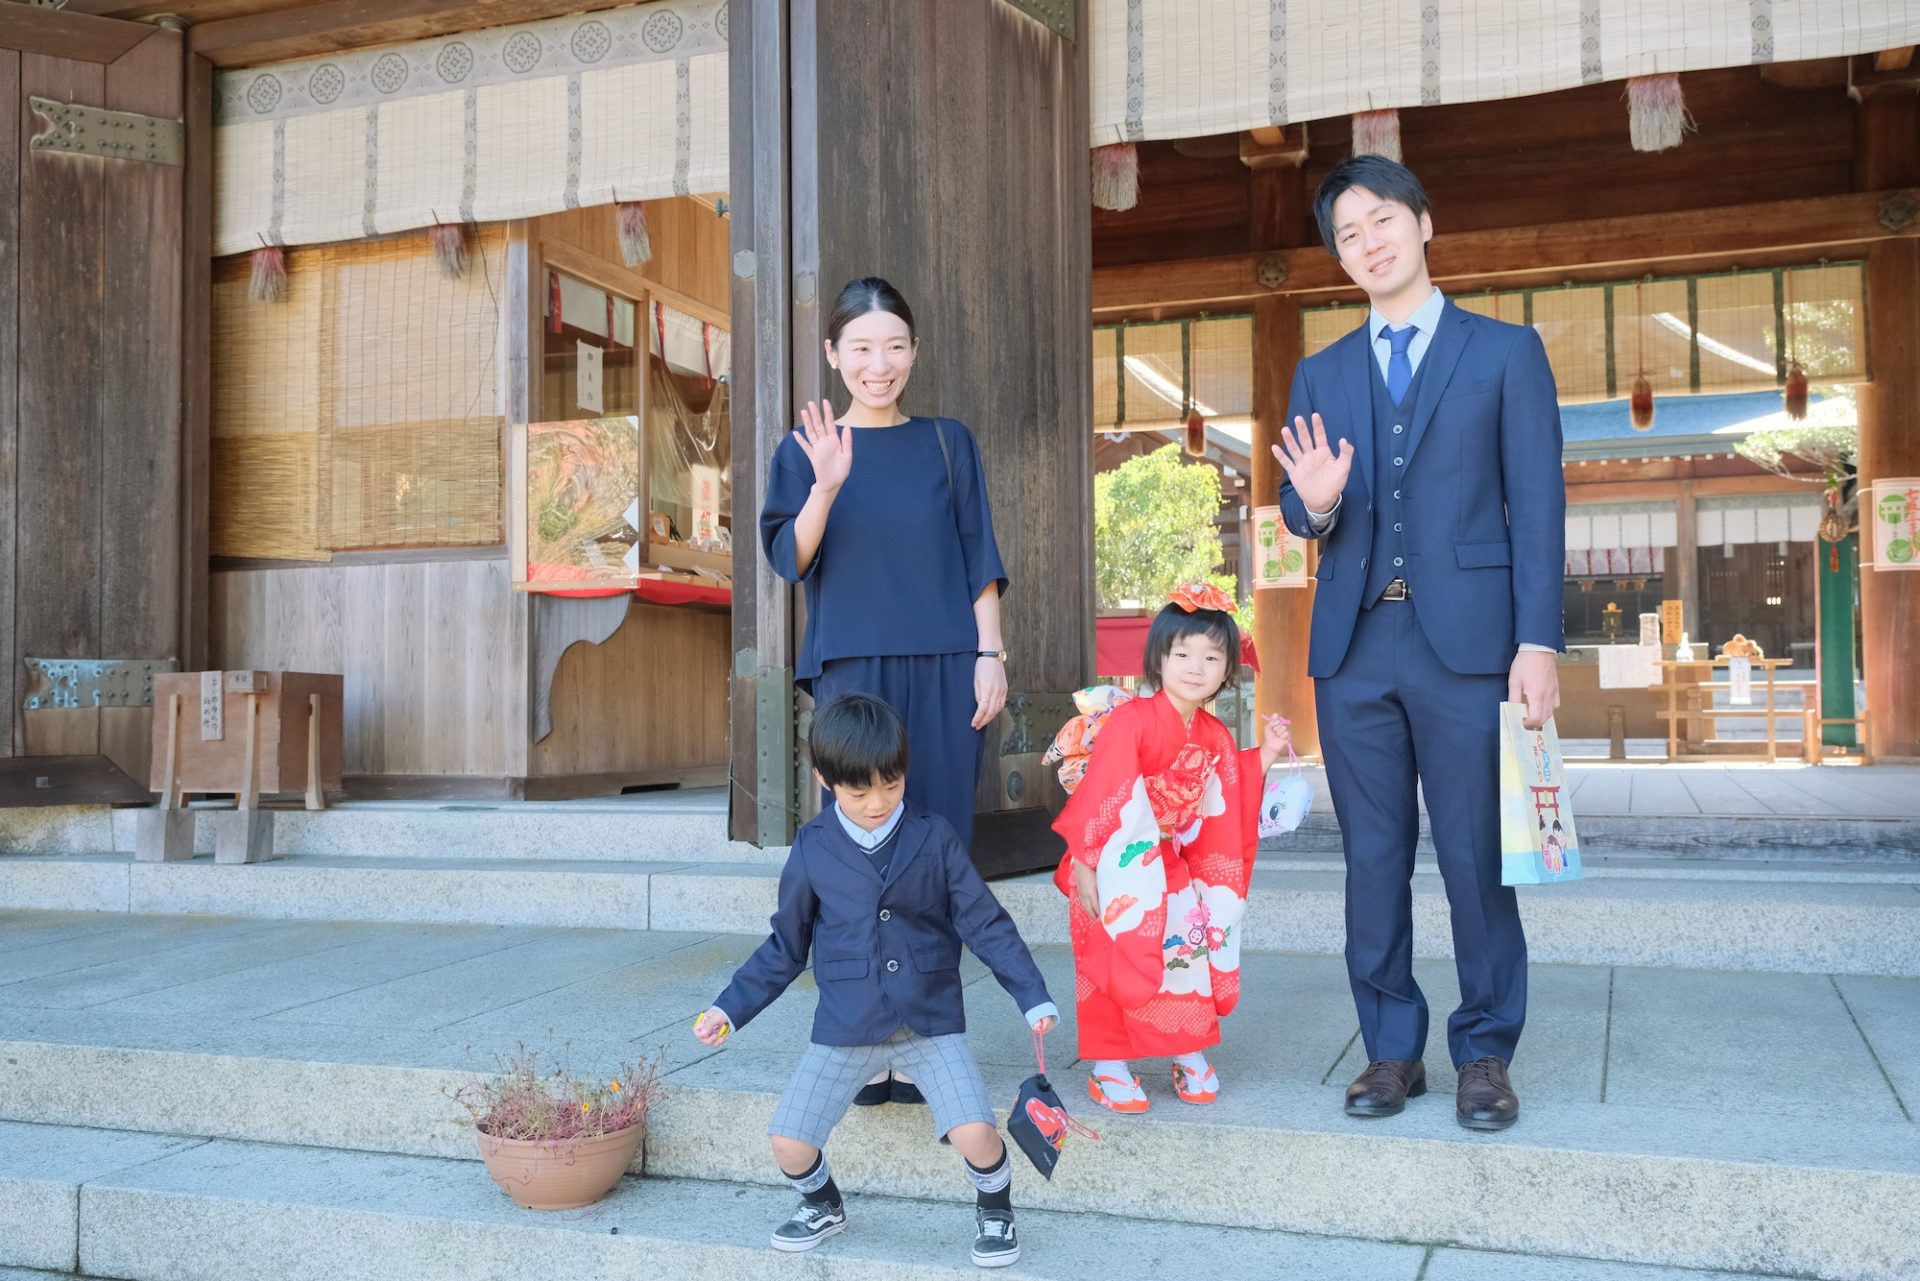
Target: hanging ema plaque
{"type": "Point", "coordinates": [1891, 510]}
{"type": "Point", "coordinates": [1279, 557]}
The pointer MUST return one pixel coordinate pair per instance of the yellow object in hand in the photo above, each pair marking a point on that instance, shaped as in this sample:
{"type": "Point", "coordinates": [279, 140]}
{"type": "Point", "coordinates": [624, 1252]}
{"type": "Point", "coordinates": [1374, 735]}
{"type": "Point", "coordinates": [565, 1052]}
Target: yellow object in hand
{"type": "Point", "coordinates": [725, 1029]}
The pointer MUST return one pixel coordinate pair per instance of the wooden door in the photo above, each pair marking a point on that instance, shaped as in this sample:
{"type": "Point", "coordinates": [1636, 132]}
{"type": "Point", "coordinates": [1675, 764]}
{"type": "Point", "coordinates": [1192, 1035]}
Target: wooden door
{"type": "Point", "coordinates": [942, 144]}
{"type": "Point", "coordinates": [95, 472]}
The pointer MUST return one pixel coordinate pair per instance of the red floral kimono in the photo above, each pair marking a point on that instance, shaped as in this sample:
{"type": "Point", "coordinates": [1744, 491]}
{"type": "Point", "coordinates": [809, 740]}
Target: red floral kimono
{"type": "Point", "coordinates": [1167, 815]}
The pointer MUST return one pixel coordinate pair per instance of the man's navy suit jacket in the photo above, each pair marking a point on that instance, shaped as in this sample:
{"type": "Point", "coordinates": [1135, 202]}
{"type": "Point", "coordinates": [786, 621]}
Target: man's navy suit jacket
{"type": "Point", "coordinates": [1483, 494]}
{"type": "Point", "coordinates": [885, 953]}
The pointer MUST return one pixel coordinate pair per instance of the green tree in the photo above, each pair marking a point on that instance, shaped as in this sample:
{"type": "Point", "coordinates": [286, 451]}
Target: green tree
{"type": "Point", "coordinates": [1153, 530]}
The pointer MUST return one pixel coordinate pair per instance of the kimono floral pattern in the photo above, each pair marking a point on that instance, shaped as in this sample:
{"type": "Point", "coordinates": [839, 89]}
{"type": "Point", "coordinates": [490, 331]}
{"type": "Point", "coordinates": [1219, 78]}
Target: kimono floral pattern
{"type": "Point", "coordinates": [1166, 816]}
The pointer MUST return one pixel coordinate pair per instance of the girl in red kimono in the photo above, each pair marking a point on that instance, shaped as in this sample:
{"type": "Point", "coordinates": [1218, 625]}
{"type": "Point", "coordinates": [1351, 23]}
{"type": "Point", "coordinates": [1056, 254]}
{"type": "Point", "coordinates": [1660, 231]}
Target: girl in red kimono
{"type": "Point", "coordinates": [1161, 830]}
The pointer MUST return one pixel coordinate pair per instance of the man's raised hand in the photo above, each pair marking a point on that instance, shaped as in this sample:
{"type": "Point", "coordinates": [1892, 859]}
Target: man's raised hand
{"type": "Point", "coordinates": [1317, 473]}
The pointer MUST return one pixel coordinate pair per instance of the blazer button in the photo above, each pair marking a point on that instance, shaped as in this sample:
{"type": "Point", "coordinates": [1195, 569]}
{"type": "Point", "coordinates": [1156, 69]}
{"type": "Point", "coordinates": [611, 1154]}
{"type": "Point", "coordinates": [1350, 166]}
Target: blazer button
{"type": "Point", "coordinates": [885, 915]}
{"type": "Point", "coordinates": [892, 966]}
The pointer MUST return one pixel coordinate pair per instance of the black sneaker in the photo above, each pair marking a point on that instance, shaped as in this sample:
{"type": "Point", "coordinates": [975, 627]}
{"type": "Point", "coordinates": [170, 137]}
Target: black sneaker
{"type": "Point", "coordinates": [875, 1093]}
{"type": "Point", "coordinates": [906, 1092]}
{"type": "Point", "coordinates": [811, 1224]}
{"type": "Point", "coordinates": [996, 1246]}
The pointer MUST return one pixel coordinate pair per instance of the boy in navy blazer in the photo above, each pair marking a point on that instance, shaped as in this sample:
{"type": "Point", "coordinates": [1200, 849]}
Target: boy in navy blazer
{"type": "Point", "coordinates": [881, 896]}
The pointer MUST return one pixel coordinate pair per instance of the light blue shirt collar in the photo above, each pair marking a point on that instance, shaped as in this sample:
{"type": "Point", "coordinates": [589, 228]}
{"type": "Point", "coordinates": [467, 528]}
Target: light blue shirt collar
{"type": "Point", "coordinates": [873, 840]}
{"type": "Point", "coordinates": [1426, 321]}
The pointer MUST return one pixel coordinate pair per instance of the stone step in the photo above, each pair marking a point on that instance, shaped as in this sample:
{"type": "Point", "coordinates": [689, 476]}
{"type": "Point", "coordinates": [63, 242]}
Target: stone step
{"type": "Point", "coordinates": [222, 1211]}
{"type": "Point", "coordinates": [1696, 836]}
{"type": "Point", "coordinates": [1711, 922]}
{"type": "Point", "coordinates": [1823, 1200]}
{"type": "Point", "coordinates": [1803, 1161]}
{"type": "Point", "coordinates": [690, 826]}
{"type": "Point", "coordinates": [670, 826]}
{"type": "Point", "coordinates": [1862, 919]}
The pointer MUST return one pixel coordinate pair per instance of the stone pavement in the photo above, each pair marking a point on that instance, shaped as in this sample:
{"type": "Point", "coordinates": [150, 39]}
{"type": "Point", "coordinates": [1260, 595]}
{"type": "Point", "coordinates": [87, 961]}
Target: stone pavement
{"type": "Point", "coordinates": [1760, 1123]}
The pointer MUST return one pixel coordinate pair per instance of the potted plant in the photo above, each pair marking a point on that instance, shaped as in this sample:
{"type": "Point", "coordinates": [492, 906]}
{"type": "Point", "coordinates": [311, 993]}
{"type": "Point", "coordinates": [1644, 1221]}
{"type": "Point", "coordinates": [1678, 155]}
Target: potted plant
{"type": "Point", "coordinates": [555, 1141]}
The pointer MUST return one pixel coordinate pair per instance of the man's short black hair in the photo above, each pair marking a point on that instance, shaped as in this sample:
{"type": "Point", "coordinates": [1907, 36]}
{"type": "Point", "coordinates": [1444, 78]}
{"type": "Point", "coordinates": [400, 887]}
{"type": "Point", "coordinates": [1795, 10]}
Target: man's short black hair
{"type": "Point", "coordinates": [855, 739]}
{"type": "Point", "coordinates": [1174, 624]}
{"type": "Point", "coordinates": [1381, 176]}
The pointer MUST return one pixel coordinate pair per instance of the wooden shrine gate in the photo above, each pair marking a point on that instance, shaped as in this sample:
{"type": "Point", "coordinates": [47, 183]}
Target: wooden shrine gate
{"type": "Point", "coordinates": [103, 195]}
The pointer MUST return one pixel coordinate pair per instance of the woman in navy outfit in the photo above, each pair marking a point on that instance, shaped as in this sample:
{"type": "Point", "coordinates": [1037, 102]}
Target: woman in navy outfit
{"type": "Point", "coordinates": [882, 517]}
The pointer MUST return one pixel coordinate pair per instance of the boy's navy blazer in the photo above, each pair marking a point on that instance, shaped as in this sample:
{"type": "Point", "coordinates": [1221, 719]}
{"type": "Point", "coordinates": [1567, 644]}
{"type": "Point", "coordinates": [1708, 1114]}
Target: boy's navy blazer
{"type": "Point", "coordinates": [885, 953]}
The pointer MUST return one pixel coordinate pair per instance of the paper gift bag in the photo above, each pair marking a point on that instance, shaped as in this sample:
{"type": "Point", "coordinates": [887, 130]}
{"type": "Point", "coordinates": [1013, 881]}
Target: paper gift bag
{"type": "Point", "coordinates": [1538, 843]}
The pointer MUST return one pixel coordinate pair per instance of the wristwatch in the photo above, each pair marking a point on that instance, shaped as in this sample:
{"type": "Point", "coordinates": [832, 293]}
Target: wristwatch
{"type": "Point", "coordinates": [1000, 654]}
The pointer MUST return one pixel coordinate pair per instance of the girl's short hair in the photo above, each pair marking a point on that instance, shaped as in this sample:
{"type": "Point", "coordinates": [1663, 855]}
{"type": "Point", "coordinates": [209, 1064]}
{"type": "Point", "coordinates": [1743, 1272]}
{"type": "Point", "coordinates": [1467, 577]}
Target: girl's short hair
{"type": "Point", "coordinates": [1174, 624]}
{"type": "Point", "coordinates": [855, 739]}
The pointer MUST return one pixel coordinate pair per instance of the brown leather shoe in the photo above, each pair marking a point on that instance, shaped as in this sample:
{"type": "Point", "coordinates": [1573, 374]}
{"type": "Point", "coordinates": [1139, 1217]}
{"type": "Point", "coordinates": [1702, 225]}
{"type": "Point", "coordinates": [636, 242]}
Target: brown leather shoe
{"type": "Point", "coordinates": [1384, 1088]}
{"type": "Point", "coordinates": [1485, 1100]}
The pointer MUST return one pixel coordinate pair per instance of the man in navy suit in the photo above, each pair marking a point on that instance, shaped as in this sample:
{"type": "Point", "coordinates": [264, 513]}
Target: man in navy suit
{"type": "Point", "coordinates": [1423, 449]}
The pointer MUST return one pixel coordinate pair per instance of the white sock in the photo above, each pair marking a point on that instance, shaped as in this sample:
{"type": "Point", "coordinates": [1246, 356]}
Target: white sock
{"type": "Point", "coordinates": [1195, 1064]}
{"type": "Point", "coordinates": [1118, 1071]}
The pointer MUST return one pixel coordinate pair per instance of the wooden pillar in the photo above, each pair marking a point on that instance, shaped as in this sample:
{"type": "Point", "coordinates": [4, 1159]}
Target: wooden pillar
{"type": "Point", "coordinates": [1282, 617]}
{"type": "Point", "coordinates": [1683, 580]}
{"type": "Point", "coordinates": [760, 791]}
{"type": "Point", "coordinates": [1279, 218]}
{"type": "Point", "coordinates": [196, 312]}
{"type": "Point", "coordinates": [1890, 446]}
{"type": "Point", "coordinates": [1888, 155]}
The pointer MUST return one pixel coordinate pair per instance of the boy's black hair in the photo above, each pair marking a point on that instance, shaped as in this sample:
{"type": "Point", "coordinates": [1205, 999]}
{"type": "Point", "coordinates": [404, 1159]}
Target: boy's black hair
{"type": "Point", "coordinates": [856, 738]}
{"type": "Point", "coordinates": [1174, 624]}
{"type": "Point", "coordinates": [1381, 176]}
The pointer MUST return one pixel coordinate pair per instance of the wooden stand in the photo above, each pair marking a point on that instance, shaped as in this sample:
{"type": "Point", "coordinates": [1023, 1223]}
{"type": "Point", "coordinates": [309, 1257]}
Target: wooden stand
{"type": "Point", "coordinates": [164, 834]}
{"type": "Point", "coordinates": [291, 722]}
{"type": "Point", "coordinates": [245, 834]}
{"type": "Point", "coordinates": [1674, 687]}
{"type": "Point", "coordinates": [258, 733]}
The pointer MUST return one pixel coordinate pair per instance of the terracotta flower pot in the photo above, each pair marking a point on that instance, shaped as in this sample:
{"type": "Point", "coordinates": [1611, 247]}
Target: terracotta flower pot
{"type": "Point", "coordinates": [562, 1175]}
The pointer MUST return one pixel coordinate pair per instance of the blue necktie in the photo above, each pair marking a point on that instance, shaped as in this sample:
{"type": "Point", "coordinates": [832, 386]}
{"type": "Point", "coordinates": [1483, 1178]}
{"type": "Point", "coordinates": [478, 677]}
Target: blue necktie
{"type": "Point", "coordinates": [1400, 364]}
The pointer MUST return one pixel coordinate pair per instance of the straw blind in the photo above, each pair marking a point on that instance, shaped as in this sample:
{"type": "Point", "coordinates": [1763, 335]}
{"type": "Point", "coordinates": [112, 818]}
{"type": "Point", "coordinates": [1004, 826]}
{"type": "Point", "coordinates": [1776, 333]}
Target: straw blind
{"type": "Point", "coordinates": [1187, 68]}
{"type": "Point", "coordinates": [1144, 374]}
{"type": "Point", "coordinates": [365, 411]}
{"type": "Point", "coordinates": [1728, 332]}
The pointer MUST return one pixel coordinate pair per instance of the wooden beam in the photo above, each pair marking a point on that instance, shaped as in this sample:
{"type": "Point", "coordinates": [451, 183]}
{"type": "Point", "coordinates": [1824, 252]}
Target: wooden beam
{"type": "Point", "coordinates": [58, 34]}
{"type": "Point", "coordinates": [332, 25]}
{"type": "Point", "coordinates": [1814, 73]}
{"type": "Point", "coordinates": [1630, 243]}
{"type": "Point", "coordinates": [1581, 492]}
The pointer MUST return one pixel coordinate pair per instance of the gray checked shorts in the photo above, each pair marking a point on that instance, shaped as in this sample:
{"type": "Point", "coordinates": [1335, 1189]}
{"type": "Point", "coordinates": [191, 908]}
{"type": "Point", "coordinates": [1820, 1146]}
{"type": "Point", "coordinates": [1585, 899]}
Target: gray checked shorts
{"type": "Point", "coordinates": [828, 1077]}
